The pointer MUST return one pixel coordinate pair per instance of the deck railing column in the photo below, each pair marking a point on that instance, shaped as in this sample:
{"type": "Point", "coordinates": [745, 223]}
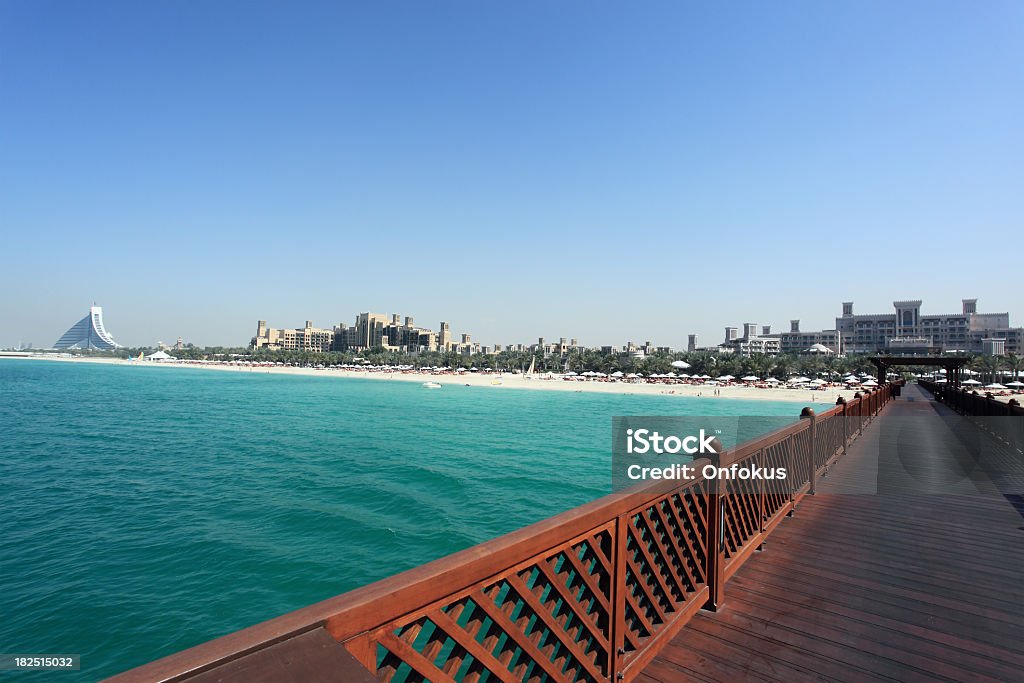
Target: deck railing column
{"type": "Point", "coordinates": [812, 461]}
{"type": "Point", "coordinates": [715, 540]}
{"type": "Point", "coordinates": [846, 429]}
{"type": "Point", "coordinates": [761, 492]}
{"type": "Point", "coordinates": [858, 403]}
{"type": "Point", "coordinates": [618, 596]}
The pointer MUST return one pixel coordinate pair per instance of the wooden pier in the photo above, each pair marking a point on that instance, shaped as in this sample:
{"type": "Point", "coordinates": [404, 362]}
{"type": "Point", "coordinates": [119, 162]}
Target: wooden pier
{"type": "Point", "coordinates": [875, 586]}
{"type": "Point", "coordinates": [892, 552]}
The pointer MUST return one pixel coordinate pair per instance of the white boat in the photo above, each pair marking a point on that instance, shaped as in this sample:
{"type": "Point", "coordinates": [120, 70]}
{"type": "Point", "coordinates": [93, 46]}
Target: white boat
{"type": "Point", "coordinates": [431, 385]}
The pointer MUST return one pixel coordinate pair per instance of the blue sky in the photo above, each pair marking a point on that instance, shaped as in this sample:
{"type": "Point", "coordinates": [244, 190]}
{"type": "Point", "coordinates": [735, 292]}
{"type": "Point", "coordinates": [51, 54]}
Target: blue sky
{"type": "Point", "coordinates": [609, 171]}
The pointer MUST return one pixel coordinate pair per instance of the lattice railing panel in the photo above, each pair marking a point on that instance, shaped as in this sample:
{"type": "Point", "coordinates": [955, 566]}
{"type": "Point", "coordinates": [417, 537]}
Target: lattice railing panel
{"type": "Point", "coordinates": [665, 562]}
{"type": "Point", "coordinates": [776, 491]}
{"type": "Point", "coordinates": [548, 619]}
{"type": "Point", "coordinates": [799, 471]}
{"type": "Point", "coordinates": [829, 439]}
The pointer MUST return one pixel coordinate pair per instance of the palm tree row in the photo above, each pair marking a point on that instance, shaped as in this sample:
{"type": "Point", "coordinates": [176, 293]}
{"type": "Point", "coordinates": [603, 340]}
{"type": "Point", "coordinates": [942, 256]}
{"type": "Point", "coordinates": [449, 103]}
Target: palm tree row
{"type": "Point", "coordinates": [581, 360]}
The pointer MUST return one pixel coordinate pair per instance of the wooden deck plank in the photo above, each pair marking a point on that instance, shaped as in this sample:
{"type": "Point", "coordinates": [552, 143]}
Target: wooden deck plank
{"type": "Point", "coordinates": [873, 579]}
{"type": "Point", "coordinates": [950, 637]}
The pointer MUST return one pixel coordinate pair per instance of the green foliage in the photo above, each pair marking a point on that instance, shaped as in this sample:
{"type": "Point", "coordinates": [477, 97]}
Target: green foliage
{"type": "Point", "coordinates": [580, 360]}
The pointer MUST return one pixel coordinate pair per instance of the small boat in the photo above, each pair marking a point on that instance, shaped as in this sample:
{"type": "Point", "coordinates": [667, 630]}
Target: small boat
{"type": "Point", "coordinates": [496, 382]}
{"type": "Point", "coordinates": [431, 385]}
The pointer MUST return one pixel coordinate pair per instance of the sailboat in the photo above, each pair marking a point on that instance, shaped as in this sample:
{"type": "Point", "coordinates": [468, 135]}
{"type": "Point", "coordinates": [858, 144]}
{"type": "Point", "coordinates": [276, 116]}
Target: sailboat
{"type": "Point", "coordinates": [533, 362]}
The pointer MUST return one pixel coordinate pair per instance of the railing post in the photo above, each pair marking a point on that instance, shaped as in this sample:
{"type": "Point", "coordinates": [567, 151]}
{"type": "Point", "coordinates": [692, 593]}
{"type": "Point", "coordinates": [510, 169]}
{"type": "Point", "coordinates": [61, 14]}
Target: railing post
{"type": "Point", "coordinates": [860, 412]}
{"type": "Point", "coordinates": [791, 469]}
{"type": "Point", "coordinates": [808, 414]}
{"type": "Point", "coordinates": [618, 598]}
{"type": "Point", "coordinates": [759, 461]}
{"type": "Point", "coordinates": [715, 541]}
{"type": "Point", "coordinates": [846, 430]}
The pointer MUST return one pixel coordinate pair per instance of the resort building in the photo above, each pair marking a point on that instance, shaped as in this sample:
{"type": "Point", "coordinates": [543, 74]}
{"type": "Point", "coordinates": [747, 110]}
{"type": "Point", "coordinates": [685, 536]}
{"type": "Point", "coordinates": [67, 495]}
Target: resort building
{"type": "Point", "coordinates": [751, 342]}
{"type": "Point", "coordinates": [444, 337]}
{"type": "Point", "coordinates": [306, 338]}
{"type": "Point", "coordinates": [88, 333]}
{"type": "Point", "coordinates": [369, 331]}
{"type": "Point", "coordinates": [797, 341]}
{"type": "Point", "coordinates": [564, 347]}
{"type": "Point", "coordinates": [907, 330]}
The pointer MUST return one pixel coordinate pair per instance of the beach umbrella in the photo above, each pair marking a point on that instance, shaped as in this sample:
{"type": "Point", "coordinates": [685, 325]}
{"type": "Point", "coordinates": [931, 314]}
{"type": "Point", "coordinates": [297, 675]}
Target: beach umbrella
{"type": "Point", "coordinates": [751, 378]}
{"type": "Point", "coordinates": [994, 385]}
{"type": "Point", "coordinates": [971, 381]}
{"type": "Point", "coordinates": [852, 380]}
{"type": "Point", "coordinates": [570, 374]}
{"type": "Point", "coordinates": [819, 382]}
{"type": "Point", "coordinates": [772, 380]}
{"type": "Point", "coordinates": [681, 364]}
{"type": "Point", "coordinates": [799, 380]}
{"type": "Point", "coordinates": [870, 383]}
{"type": "Point", "coordinates": [617, 373]}
{"type": "Point", "coordinates": [1015, 384]}
{"type": "Point", "coordinates": [726, 378]}
{"type": "Point", "coordinates": [632, 374]}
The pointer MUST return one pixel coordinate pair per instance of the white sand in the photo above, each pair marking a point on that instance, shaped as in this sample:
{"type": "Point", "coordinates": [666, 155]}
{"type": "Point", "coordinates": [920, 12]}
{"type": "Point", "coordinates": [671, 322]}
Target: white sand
{"type": "Point", "coordinates": [500, 381]}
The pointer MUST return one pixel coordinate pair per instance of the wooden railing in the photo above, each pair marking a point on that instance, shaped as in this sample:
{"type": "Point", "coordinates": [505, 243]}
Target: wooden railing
{"type": "Point", "coordinates": [591, 594]}
{"type": "Point", "coordinates": [984, 410]}
{"type": "Point", "coordinates": [970, 402]}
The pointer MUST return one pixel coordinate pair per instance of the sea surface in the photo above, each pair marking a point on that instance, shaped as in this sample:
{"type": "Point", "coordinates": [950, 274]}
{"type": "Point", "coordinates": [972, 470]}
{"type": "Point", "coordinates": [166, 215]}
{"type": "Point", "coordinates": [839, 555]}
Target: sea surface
{"type": "Point", "coordinates": [144, 510]}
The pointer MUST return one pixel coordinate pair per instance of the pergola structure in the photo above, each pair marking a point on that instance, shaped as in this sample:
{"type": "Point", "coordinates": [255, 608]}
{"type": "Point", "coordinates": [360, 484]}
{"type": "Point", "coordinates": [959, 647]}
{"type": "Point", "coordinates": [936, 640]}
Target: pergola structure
{"type": "Point", "coordinates": [953, 365]}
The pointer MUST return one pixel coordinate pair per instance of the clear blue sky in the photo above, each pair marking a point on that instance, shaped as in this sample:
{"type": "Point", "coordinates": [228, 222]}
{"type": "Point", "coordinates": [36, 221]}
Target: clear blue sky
{"type": "Point", "coordinates": [613, 172]}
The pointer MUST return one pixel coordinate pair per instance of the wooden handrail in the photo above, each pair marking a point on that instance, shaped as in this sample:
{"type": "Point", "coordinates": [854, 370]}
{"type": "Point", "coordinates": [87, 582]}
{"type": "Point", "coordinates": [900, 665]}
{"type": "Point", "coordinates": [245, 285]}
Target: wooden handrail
{"type": "Point", "coordinates": [592, 593]}
{"type": "Point", "coordinates": [988, 414]}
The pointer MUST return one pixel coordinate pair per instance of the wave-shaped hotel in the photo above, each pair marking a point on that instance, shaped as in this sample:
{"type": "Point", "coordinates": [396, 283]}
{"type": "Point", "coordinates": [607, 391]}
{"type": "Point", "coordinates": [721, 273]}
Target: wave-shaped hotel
{"type": "Point", "coordinates": [88, 333]}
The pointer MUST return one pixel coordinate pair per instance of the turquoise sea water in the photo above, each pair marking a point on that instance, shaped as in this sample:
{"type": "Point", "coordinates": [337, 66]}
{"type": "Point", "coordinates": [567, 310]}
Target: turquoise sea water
{"type": "Point", "coordinates": [144, 510]}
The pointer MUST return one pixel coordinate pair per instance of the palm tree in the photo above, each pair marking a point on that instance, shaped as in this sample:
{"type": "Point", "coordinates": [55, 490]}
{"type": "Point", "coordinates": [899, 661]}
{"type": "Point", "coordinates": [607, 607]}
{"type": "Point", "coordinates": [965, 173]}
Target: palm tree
{"type": "Point", "coordinates": [702, 362]}
{"type": "Point", "coordinates": [988, 366]}
{"type": "Point", "coordinates": [1013, 363]}
{"type": "Point", "coordinates": [784, 366]}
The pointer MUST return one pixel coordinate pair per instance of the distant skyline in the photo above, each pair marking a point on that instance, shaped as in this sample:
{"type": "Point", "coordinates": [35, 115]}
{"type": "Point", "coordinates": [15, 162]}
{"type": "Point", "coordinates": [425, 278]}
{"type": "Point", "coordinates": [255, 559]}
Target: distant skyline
{"type": "Point", "coordinates": [777, 326]}
{"type": "Point", "coordinates": [578, 169]}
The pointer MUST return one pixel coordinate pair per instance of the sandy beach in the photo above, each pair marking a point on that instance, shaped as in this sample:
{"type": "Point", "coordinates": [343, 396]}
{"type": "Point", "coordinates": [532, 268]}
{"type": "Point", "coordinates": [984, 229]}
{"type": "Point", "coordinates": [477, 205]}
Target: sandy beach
{"type": "Point", "coordinates": [500, 381]}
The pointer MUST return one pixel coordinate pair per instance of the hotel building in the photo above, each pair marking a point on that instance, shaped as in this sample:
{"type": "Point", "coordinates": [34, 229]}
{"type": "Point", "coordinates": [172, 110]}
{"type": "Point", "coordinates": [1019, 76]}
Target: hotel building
{"type": "Point", "coordinates": [306, 338]}
{"type": "Point", "coordinates": [370, 331]}
{"type": "Point", "coordinates": [907, 330]}
{"type": "Point", "coordinates": [903, 331]}
{"type": "Point", "coordinates": [88, 333]}
{"type": "Point", "coordinates": [751, 342]}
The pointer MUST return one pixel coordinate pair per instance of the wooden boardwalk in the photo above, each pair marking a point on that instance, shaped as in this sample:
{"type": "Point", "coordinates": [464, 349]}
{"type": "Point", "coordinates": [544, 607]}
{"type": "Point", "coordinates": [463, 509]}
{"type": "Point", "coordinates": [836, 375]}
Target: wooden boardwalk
{"type": "Point", "coordinates": [906, 565]}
